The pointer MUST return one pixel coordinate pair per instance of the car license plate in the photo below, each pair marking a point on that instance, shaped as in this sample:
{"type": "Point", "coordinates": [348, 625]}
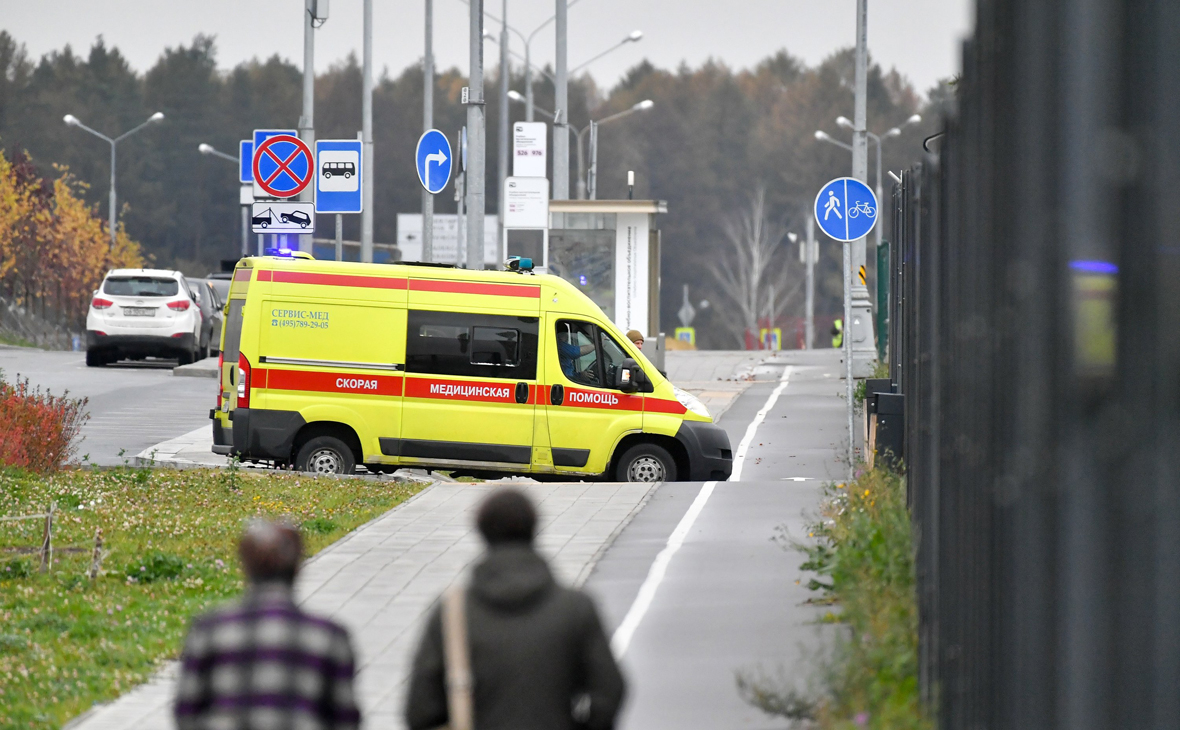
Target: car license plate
{"type": "Point", "coordinates": [139, 311]}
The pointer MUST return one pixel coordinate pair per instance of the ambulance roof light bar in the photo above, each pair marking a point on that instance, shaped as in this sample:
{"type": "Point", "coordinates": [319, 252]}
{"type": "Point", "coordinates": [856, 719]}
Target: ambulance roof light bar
{"type": "Point", "coordinates": [519, 264]}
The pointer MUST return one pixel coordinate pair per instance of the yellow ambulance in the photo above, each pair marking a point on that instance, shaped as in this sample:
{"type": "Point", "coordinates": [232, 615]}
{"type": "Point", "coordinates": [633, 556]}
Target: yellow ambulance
{"type": "Point", "coordinates": [327, 365]}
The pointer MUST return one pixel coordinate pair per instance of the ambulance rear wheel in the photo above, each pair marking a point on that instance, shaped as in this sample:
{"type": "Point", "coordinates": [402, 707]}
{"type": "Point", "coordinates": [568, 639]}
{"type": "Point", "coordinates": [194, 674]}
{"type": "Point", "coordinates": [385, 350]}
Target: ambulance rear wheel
{"type": "Point", "coordinates": [646, 463]}
{"type": "Point", "coordinates": [325, 455]}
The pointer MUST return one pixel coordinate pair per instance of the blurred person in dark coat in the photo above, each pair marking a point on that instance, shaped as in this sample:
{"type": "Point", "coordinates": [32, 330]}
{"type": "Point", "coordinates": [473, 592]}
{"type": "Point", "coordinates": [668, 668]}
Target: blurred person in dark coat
{"type": "Point", "coordinates": [262, 662]}
{"type": "Point", "coordinates": [539, 658]}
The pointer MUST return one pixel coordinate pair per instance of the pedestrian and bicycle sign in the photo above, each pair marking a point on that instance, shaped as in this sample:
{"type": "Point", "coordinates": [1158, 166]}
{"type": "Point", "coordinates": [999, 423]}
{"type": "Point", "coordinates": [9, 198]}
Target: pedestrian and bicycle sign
{"type": "Point", "coordinates": [338, 176]}
{"type": "Point", "coordinates": [846, 209]}
{"type": "Point", "coordinates": [434, 161]}
{"type": "Point", "coordinates": [283, 165]}
{"type": "Point", "coordinates": [282, 217]}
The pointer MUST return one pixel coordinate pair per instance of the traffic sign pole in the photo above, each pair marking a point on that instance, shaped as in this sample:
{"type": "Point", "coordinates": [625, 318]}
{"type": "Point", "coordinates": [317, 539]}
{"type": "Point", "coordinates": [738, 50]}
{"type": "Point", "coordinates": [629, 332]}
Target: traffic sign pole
{"type": "Point", "coordinates": [846, 341]}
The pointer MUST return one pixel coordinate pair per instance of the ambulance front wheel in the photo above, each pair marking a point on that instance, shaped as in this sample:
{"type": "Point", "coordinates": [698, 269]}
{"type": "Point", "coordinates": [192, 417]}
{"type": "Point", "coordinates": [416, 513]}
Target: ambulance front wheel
{"type": "Point", "coordinates": [646, 463]}
{"type": "Point", "coordinates": [325, 455]}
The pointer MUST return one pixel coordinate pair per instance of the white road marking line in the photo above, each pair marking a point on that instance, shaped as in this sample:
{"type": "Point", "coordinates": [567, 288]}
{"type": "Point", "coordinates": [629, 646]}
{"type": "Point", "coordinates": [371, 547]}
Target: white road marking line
{"type": "Point", "coordinates": [622, 636]}
{"type": "Point", "coordinates": [621, 639]}
{"type": "Point", "coordinates": [739, 459]}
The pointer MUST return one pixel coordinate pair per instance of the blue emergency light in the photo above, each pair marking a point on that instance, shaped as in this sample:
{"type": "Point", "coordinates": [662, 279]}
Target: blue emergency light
{"type": "Point", "coordinates": [519, 264]}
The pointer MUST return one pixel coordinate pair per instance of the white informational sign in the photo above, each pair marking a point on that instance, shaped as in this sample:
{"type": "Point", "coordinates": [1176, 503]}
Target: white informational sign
{"type": "Point", "coordinates": [530, 145]}
{"type": "Point", "coordinates": [631, 271]}
{"type": "Point", "coordinates": [526, 202]}
{"type": "Point", "coordinates": [246, 194]}
{"type": "Point", "coordinates": [446, 238]}
{"type": "Point", "coordinates": [282, 217]}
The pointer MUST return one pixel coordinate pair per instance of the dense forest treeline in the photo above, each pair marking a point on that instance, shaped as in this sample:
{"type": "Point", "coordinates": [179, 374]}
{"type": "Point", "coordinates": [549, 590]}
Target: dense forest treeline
{"type": "Point", "coordinates": [714, 136]}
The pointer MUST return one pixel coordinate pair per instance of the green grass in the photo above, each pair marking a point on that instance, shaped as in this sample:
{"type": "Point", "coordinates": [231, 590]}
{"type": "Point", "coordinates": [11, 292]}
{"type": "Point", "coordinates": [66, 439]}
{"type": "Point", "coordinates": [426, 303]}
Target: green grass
{"type": "Point", "coordinates": [862, 553]}
{"type": "Point", "coordinates": [67, 642]}
{"type": "Point", "coordinates": [8, 338]}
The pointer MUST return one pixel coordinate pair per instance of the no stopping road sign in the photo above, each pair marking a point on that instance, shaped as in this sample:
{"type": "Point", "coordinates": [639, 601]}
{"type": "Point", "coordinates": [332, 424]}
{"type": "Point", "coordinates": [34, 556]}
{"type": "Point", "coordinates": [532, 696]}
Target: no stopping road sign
{"type": "Point", "coordinates": [283, 166]}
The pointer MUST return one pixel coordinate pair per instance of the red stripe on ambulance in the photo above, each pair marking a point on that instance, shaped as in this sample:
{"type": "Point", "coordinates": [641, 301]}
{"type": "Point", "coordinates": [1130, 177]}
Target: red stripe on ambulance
{"type": "Point", "coordinates": [303, 277]}
{"type": "Point", "coordinates": [326, 382]}
{"type": "Point", "coordinates": [465, 287]}
{"type": "Point", "coordinates": [609, 399]}
{"type": "Point", "coordinates": [464, 390]}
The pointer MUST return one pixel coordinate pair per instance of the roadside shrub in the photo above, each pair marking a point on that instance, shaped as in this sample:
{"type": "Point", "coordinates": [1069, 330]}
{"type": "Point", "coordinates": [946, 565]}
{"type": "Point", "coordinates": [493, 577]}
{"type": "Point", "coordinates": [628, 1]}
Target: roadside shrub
{"type": "Point", "coordinates": [38, 430]}
{"type": "Point", "coordinates": [154, 566]}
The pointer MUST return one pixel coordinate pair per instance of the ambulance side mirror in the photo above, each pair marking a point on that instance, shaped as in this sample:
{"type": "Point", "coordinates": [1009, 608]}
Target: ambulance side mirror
{"type": "Point", "coordinates": [629, 376]}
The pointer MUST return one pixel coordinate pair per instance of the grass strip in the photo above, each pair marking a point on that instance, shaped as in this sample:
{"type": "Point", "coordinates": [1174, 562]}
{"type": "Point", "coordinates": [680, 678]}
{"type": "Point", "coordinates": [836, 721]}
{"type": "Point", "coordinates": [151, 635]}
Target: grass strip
{"type": "Point", "coordinates": [67, 642]}
{"type": "Point", "coordinates": [862, 553]}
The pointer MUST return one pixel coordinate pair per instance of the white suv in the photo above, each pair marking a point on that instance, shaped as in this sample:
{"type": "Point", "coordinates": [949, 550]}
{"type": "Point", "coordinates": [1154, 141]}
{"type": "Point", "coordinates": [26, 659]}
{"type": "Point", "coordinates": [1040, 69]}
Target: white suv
{"type": "Point", "coordinates": [138, 313]}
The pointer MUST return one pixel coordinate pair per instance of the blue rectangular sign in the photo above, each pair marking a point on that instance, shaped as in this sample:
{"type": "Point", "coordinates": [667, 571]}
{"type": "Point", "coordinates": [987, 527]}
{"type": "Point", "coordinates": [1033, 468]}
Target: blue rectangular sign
{"type": "Point", "coordinates": [338, 176]}
{"type": "Point", "coordinates": [246, 161]}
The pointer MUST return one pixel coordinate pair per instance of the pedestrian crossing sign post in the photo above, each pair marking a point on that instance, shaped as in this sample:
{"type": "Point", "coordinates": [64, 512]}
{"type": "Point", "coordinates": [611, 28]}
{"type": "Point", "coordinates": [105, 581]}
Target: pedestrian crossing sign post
{"type": "Point", "coordinates": [687, 334]}
{"type": "Point", "coordinates": [846, 209]}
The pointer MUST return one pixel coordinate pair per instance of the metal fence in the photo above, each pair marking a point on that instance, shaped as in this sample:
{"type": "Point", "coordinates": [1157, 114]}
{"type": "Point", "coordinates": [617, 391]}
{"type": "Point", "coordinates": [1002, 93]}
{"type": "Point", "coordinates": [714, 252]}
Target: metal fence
{"type": "Point", "coordinates": [1035, 332]}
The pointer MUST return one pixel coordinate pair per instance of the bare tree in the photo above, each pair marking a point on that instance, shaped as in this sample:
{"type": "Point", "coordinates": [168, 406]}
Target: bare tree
{"type": "Point", "coordinates": [754, 276]}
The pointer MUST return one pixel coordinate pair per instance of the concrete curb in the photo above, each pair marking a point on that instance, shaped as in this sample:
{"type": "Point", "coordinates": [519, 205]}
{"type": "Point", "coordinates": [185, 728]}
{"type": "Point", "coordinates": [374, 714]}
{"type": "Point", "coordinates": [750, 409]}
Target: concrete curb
{"type": "Point", "coordinates": [206, 368]}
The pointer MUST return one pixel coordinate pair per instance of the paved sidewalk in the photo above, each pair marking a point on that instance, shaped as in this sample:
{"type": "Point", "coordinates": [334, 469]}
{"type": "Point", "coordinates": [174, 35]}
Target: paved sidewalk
{"type": "Point", "coordinates": [206, 368]}
{"type": "Point", "coordinates": [381, 580]}
{"type": "Point", "coordinates": [194, 449]}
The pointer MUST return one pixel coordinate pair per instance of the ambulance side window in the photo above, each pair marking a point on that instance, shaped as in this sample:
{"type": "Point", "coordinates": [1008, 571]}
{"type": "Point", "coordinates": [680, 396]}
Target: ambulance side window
{"type": "Point", "coordinates": [577, 352]}
{"type": "Point", "coordinates": [471, 344]}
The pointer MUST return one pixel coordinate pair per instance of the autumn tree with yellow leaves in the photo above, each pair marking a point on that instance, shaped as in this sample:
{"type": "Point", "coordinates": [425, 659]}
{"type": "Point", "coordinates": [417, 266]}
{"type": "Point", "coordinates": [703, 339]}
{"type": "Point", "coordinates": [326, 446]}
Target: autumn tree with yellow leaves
{"type": "Point", "coordinates": [54, 248]}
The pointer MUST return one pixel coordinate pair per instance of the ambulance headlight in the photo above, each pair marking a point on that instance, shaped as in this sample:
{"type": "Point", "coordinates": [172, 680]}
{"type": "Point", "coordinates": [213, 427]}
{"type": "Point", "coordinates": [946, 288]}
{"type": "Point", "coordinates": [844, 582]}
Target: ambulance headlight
{"type": "Point", "coordinates": [691, 402]}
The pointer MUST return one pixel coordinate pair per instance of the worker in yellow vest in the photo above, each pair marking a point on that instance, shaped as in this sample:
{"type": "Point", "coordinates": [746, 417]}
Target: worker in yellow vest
{"type": "Point", "coordinates": [838, 333]}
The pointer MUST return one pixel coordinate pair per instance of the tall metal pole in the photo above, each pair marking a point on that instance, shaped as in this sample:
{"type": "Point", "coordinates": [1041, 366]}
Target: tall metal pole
{"type": "Point", "coordinates": [461, 223]}
{"type": "Point", "coordinates": [476, 142]}
{"type": "Point", "coordinates": [428, 123]}
{"type": "Point", "coordinates": [859, 327]}
{"type": "Point", "coordinates": [809, 303]}
{"type": "Point", "coordinates": [592, 183]}
{"type": "Point", "coordinates": [528, 82]}
{"type": "Point", "coordinates": [847, 342]}
{"type": "Point", "coordinates": [581, 184]}
{"type": "Point", "coordinates": [367, 136]}
{"type": "Point", "coordinates": [307, 120]}
{"type": "Point", "coordinates": [339, 237]}
{"type": "Point", "coordinates": [113, 201]}
{"type": "Point", "coordinates": [561, 114]}
{"type": "Point", "coordinates": [245, 230]}
{"type": "Point", "coordinates": [505, 73]}
{"type": "Point", "coordinates": [880, 200]}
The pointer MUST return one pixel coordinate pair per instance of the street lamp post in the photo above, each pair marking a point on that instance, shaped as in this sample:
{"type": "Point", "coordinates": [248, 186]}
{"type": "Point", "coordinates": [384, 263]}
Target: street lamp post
{"type": "Point", "coordinates": [73, 121]}
{"type": "Point", "coordinates": [208, 149]}
{"type": "Point", "coordinates": [592, 128]}
{"type": "Point", "coordinates": [894, 132]}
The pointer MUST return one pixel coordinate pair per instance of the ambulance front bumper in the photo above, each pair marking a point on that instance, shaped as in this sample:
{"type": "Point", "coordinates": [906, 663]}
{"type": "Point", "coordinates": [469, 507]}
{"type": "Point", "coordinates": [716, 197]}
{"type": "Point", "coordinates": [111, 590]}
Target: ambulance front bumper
{"type": "Point", "coordinates": [710, 457]}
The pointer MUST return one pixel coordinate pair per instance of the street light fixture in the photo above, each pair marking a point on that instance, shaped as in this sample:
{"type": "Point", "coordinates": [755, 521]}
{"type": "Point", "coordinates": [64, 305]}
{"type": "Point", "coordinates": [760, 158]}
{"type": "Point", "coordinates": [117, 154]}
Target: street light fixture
{"type": "Point", "coordinates": [73, 121]}
{"type": "Point", "coordinates": [592, 128]}
{"type": "Point", "coordinates": [633, 37]}
{"type": "Point", "coordinates": [208, 149]}
{"type": "Point", "coordinates": [846, 123]}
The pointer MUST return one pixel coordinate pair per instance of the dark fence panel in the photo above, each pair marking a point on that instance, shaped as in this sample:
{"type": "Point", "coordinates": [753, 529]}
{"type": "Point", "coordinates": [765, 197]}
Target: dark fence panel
{"type": "Point", "coordinates": [1035, 333]}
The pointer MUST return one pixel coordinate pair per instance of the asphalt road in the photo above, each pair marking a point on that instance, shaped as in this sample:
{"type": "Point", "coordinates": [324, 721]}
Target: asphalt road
{"type": "Point", "coordinates": [133, 406]}
{"type": "Point", "coordinates": [729, 600]}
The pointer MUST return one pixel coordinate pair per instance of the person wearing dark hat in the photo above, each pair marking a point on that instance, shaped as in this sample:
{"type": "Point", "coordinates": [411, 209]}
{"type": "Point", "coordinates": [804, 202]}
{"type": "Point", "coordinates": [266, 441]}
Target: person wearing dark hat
{"type": "Point", "coordinates": [637, 337]}
{"type": "Point", "coordinates": [513, 649]}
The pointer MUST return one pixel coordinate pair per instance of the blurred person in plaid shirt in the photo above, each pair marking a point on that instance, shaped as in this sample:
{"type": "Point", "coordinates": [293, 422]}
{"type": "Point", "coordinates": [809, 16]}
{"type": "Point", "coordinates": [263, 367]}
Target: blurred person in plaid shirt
{"type": "Point", "coordinates": [261, 662]}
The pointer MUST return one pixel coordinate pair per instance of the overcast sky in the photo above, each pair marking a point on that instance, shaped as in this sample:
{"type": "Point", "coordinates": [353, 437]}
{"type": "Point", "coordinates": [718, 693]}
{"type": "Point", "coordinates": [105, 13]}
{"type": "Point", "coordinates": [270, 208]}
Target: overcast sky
{"type": "Point", "coordinates": [919, 37]}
